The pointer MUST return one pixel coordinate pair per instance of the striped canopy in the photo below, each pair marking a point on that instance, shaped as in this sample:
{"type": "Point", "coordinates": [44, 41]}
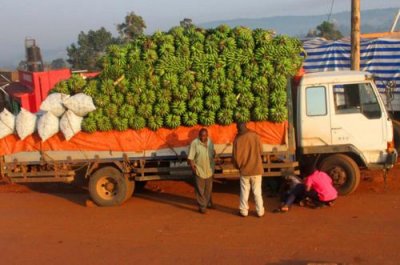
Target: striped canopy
{"type": "Point", "coordinates": [380, 57]}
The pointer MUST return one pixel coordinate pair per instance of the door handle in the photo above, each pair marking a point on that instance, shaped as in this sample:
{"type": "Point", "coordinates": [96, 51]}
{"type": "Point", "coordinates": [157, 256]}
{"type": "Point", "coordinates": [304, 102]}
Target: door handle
{"type": "Point", "coordinates": [336, 128]}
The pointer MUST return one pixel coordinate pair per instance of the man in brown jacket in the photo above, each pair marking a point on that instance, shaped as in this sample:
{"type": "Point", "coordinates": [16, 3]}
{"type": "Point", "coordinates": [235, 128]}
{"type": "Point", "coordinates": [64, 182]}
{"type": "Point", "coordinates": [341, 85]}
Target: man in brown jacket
{"type": "Point", "coordinates": [247, 151]}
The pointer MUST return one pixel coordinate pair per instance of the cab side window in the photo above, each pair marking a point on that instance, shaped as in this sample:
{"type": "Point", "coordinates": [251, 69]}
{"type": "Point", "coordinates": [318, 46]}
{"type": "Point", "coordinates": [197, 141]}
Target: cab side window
{"type": "Point", "coordinates": [316, 101]}
{"type": "Point", "coordinates": [356, 98]}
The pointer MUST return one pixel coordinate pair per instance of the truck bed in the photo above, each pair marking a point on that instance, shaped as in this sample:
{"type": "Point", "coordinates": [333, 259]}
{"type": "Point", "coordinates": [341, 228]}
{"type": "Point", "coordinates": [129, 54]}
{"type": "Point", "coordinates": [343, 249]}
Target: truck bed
{"type": "Point", "coordinates": [37, 157]}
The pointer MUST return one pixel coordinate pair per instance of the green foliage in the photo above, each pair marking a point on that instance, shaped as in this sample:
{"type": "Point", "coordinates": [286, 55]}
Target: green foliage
{"type": "Point", "coordinates": [85, 54]}
{"type": "Point", "coordinates": [58, 63]}
{"type": "Point", "coordinates": [327, 30]}
{"type": "Point", "coordinates": [132, 27]}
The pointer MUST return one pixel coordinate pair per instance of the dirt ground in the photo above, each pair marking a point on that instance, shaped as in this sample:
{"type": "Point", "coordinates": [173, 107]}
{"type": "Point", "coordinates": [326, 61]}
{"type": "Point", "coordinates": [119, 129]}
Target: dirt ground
{"type": "Point", "coordinates": [51, 224]}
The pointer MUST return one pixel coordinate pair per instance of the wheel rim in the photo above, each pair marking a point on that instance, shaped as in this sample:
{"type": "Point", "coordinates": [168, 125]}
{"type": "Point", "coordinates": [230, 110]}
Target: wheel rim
{"type": "Point", "coordinates": [107, 188]}
{"type": "Point", "coordinates": [338, 175]}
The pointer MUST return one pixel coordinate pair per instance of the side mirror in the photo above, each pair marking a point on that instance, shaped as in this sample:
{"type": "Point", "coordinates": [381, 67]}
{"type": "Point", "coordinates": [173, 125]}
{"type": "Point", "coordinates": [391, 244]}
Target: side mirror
{"type": "Point", "coordinates": [389, 89]}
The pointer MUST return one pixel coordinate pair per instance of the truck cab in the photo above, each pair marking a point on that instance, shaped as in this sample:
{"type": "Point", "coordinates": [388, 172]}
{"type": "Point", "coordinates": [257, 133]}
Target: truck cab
{"type": "Point", "coordinates": [342, 124]}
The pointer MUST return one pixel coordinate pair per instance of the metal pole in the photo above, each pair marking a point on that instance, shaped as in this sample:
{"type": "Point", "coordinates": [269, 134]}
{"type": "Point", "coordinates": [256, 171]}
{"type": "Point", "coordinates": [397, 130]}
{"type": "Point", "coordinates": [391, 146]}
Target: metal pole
{"type": "Point", "coordinates": [396, 19]}
{"type": "Point", "coordinates": [355, 34]}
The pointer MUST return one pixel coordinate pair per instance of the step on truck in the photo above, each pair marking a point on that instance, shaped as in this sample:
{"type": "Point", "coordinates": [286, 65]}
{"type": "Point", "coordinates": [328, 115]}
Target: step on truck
{"type": "Point", "coordinates": [336, 120]}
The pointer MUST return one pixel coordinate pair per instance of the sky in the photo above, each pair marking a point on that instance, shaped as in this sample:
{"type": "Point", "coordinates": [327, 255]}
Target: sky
{"type": "Point", "coordinates": [55, 24]}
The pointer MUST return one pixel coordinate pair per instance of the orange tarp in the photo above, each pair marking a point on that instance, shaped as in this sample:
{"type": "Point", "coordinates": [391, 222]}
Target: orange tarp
{"type": "Point", "coordinates": [141, 140]}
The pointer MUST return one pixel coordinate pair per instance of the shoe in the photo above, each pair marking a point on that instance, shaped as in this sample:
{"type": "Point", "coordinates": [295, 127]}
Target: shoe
{"type": "Point", "coordinates": [260, 215]}
{"type": "Point", "coordinates": [202, 211]}
{"type": "Point", "coordinates": [211, 206]}
{"type": "Point", "coordinates": [331, 203]}
{"type": "Point", "coordinates": [243, 214]}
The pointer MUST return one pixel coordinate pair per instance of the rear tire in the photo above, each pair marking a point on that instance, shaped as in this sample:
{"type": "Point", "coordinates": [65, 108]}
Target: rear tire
{"type": "Point", "coordinates": [130, 188]}
{"type": "Point", "coordinates": [108, 187]}
{"type": "Point", "coordinates": [396, 135]}
{"type": "Point", "coordinates": [344, 172]}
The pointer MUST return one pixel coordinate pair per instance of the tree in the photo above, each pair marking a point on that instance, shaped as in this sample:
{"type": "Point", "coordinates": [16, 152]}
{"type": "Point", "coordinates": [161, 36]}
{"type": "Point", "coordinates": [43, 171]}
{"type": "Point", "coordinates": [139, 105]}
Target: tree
{"type": "Point", "coordinates": [22, 66]}
{"type": "Point", "coordinates": [326, 30]}
{"type": "Point", "coordinates": [132, 28]}
{"type": "Point", "coordinates": [58, 63]}
{"type": "Point", "coordinates": [186, 23]}
{"type": "Point", "coordinates": [89, 48]}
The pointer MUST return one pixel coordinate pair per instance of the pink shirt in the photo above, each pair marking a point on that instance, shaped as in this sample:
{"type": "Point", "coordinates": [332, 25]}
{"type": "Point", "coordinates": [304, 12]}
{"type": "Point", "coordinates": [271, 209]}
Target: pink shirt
{"type": "Point", "coordinates": [322, 184]}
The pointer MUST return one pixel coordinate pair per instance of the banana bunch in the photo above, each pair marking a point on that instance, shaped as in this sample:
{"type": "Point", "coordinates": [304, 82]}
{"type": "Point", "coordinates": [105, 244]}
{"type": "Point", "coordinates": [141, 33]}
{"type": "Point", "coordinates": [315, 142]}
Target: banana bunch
{"type": "Point", "coordinates": [190, 76]}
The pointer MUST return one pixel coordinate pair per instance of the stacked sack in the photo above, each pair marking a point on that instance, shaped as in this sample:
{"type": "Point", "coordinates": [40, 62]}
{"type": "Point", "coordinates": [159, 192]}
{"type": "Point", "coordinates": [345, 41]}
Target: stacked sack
{"type": "Point", "coordinates": [57, 112]}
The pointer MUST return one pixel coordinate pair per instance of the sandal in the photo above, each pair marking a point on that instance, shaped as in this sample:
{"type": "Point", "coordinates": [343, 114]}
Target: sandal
{"type": "Point", "coordinates": [281, 210]}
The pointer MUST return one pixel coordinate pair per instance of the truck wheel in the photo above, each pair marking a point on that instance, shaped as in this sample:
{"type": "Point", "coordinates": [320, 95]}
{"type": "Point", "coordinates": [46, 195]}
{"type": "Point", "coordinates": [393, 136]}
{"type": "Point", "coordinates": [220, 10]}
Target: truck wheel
{"type": "Point", "coordinates": [343, 171]}
{"type": "Point", "coordinates": [396, 135]}
{"type": "Point", "coordinates": [130, 188]}
{"type": "Point", "coordinates": [108, 187]}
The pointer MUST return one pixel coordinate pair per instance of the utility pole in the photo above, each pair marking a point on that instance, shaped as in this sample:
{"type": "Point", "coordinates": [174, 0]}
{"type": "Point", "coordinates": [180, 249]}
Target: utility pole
{"type": "Point", "coordinates": [355, 34]}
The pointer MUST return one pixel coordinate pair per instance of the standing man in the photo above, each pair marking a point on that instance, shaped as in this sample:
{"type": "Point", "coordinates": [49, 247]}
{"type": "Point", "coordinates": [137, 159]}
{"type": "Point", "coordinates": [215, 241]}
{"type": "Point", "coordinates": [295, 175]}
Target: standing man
{"type": "Point", "coordinates": [201, 160]}
{"type": "Point", "coordinates": [247, 151]}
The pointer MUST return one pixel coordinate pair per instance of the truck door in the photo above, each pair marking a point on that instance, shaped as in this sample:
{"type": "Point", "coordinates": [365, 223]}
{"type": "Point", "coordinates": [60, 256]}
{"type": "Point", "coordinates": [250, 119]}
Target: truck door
{"type": "Point", "coordinates": [314, 121]}
{"type": "Point", "coordinates": [357, 119]}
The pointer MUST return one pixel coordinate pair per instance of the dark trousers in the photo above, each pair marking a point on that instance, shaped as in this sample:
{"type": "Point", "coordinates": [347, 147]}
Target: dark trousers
{"type": "Point", "coordinates": [203, 190]}
{"type": "Point", "coordinates": [296, 194]}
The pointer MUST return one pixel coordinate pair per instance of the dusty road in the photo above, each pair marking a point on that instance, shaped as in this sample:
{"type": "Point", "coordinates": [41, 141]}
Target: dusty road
{"type": "Point", "coordinates": [161, 226]}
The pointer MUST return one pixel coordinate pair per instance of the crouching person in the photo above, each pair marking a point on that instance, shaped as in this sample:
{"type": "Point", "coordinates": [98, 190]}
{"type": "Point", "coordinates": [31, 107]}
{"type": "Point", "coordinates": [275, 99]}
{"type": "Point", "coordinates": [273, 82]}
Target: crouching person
{"type": "Point", "coordinates": [294, 192]}
{"type": "Point", "coordinates": [319, 189]}
{"type": "Point", "coordinates": [201, 160]}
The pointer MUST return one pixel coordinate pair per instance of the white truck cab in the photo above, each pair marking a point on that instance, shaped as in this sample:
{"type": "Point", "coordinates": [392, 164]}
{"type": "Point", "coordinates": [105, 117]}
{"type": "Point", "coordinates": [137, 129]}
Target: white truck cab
{"type": "Point", "coordinates": [342, 123]}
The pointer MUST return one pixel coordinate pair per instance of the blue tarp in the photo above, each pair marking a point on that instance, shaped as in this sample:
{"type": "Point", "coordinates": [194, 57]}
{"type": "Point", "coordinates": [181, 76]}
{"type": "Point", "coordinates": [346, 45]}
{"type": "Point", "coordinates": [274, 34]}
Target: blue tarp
{"type": "Point", "coordinates": [380, 57]}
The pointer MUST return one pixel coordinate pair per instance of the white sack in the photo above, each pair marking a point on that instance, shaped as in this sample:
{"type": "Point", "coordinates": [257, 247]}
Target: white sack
{"type": "Point", "coordinates": [81, 104]}
{"type": "Point", "coordinates": [7, 123]}
{"type": "Point", "coordinates": [48, 126]}
{"type": "Point", "coordinates": [25, 123]}
{"type": "Point", "coordinates": [54, 104]}
{"type": "Point", "coordinates": [70, 124]}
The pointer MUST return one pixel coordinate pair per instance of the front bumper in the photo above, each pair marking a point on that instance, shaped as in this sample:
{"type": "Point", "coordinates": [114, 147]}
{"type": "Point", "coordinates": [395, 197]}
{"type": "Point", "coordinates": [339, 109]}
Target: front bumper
{"type": "Point", "coordinates": [390, 161]}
